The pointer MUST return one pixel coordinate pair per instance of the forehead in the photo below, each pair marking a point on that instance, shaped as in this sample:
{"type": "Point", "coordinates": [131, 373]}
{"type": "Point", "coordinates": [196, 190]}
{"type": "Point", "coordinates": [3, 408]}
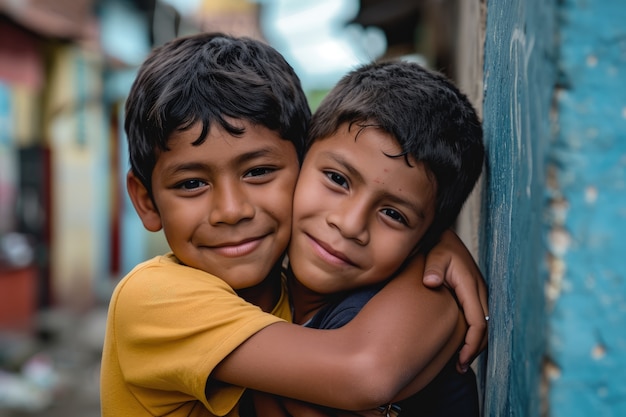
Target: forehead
{"type": "Point", "coordinates": [364, 139]}
{"type": "Point", "coordinates": [220, 146]}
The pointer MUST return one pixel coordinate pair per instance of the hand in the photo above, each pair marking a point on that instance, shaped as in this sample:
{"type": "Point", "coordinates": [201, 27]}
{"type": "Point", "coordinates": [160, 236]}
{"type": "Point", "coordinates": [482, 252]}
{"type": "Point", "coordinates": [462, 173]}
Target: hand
{"type": "Point", "coordinates": [450, 263]}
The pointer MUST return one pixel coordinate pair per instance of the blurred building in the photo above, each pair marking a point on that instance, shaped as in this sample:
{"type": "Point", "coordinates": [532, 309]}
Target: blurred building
{"type": "Point", "coordinates": [239, 17]}
{"type": "Point", "coordinates": [37, 40]}
{"type": "Point", "coordinates": [65, 68]}
{"type": "Point", "coordinates": [55, 145]}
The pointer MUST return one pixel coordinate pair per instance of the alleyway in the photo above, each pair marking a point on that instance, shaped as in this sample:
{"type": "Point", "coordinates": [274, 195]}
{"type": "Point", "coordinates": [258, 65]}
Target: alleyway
{"type": "Point", "coordinates": [55, 373]}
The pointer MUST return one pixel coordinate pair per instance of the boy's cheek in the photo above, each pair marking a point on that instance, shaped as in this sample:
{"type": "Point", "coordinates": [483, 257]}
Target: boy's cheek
{"type": "Point", "coordinates": [281, 201]}
{"type": "Point", "coordinates": [307, 200]}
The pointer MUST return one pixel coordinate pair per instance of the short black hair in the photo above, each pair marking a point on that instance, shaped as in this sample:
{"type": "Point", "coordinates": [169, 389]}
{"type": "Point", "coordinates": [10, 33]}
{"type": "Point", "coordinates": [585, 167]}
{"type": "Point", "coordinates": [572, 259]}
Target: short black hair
{"type": "Point", "coordinates": [428, 116]}
{"type": "Point", "coordinates": [207, 78]}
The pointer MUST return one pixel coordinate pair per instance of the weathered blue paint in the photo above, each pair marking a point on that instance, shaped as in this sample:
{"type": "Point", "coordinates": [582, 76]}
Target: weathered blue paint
{"type": "Point", "coordinates": [519, 79]}
{"type": "Point", "coordinates": [555, 192]}
{"type": "Point", "coordinates": [587, 340]}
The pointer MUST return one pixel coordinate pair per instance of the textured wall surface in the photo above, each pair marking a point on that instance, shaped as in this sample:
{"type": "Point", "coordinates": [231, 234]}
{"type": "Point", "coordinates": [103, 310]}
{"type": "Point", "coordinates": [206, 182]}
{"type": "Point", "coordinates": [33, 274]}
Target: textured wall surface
{"type": "Point", "coordinates": [554, 242]}
{"type": "Point", "coordinates": [519, 79]}
{"type": "Point", "coordinates": [587, 234]}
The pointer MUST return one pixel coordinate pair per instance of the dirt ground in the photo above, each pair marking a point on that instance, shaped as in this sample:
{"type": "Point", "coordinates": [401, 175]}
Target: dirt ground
{"type": "Point", "coordinates": [53, 371]}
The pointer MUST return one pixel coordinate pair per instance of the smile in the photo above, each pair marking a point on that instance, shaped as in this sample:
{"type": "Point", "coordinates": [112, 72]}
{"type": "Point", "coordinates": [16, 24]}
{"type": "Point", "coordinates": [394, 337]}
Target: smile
{"type": "Point", "coordinates": [238, 249]}
{"type": "Point", "coordinates": [328, 254]}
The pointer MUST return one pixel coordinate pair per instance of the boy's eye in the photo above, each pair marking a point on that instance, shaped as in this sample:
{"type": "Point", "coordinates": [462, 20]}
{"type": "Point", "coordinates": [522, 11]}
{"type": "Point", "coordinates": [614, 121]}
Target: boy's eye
{"type": "Point", "coordinates": [259, 171]}
{"type": "Point", "coordinates": [394, 215]}
{"type": "Point", "coordinates": [191, 184]}
{"type": "Point", "coordinates": [338, 179]}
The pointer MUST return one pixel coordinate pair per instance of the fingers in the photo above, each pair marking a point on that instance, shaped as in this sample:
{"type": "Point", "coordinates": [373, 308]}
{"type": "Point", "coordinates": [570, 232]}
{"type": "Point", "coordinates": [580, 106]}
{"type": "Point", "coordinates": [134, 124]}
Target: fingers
{"type": "Point", "coordinates": [475, 342]}
{"type": "Point", "coordinates": [450, 263]}
{"type": "Point", "coordinates": [437, 263]}
{"type": "Point", "coordinates": [472, 294]}
{"type": "Point", "coordinates": [473, 302]}
{"type": "Point", "coordinates": [435, 269]}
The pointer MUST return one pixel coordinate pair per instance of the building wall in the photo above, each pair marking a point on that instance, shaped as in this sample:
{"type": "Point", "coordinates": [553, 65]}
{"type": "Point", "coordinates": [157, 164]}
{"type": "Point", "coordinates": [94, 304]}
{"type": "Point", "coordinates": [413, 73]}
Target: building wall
{"type": "Point", "coordinates": [76, 129]}
{"type": "Point", "coordinates": [519, 78]}
{"type": "Point", "coordinates": [554, 207]}
{"type": "Point", "coordinates": [587, 223]}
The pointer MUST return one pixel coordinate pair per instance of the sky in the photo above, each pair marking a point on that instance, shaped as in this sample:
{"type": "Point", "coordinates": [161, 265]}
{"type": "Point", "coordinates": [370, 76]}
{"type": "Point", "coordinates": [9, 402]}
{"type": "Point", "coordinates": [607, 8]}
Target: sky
{"type": "Point", "coordinates": [314, 37]}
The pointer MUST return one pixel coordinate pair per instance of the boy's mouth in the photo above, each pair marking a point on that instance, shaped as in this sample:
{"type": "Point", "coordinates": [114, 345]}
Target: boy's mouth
{"type": "Point", "coordinates": [238, 248]}
{"type": "Point", "coordinates": [328, 254]}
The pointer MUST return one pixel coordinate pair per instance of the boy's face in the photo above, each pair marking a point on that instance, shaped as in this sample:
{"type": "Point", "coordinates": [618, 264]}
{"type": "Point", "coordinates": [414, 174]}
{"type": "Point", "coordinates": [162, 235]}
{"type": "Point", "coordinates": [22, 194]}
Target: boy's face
{"type": "Point", "coordinates": [358, 213]}
{"type": "Point", "coordinates": [225, 205]}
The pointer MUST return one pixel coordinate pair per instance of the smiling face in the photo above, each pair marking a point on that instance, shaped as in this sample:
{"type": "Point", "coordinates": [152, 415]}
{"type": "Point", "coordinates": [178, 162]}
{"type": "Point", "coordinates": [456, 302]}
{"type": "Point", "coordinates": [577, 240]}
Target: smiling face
{"type": "Point", "coordinates": [358, 213]}
{"type": "Point", "coordinates": [225, 205]}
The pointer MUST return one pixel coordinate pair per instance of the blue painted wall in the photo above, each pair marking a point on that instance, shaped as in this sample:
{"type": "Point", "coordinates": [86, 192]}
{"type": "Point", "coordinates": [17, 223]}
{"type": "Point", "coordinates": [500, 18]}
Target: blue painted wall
{"type": "Point", "coordinates": [554, 235]}
{"type": "Point", "coordinates": [519, 78]}
{"type": "Point", "coordinates": [588, 229]}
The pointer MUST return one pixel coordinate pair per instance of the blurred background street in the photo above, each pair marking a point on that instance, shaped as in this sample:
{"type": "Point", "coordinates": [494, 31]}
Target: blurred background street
{"type": "Point", "coordinates": [54, 371]}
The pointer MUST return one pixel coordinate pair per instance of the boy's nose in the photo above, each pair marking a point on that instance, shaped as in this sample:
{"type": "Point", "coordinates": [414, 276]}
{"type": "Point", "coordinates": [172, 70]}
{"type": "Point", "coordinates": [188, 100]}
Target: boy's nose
{"type": "Point", "coordinates": [230, 205]}
{"type": "Point", "coordinates": [351, 219]}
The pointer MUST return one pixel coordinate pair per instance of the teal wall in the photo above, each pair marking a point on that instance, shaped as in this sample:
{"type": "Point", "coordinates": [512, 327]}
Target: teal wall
{"type": "Point", "coordinates": [519, 78]}
{"type": "Point", "coordinates": [587, 319]}
{"type": "Point", "coordinates": [553, 244]}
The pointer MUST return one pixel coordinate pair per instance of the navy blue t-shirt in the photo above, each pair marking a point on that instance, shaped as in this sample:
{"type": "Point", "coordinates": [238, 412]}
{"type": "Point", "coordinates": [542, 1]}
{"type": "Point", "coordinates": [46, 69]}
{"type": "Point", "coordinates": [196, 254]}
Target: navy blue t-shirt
{"type": "Point", "coordinates": [449, 394]}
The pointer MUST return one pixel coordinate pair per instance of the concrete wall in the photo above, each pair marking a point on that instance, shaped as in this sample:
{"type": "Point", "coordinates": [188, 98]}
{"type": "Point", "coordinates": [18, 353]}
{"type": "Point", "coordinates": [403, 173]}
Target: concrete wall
{"type": "Point", "coordinates": [519, 78]}
{"type": "Point", "coordinates": [519, 75]}
{"type": "Point", "coordinates": [553, 239]}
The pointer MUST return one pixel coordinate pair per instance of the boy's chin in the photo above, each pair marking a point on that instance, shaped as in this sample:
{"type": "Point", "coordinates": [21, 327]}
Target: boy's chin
{"type": "Point", "coordinates": [243, 281]}
{"type": "Point", "coordinates": [251, 277]}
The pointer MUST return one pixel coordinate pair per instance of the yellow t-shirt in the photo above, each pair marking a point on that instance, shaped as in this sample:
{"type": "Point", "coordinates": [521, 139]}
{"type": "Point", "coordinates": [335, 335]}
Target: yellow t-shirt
{"type": "Point", "coordinates": [168, 326]}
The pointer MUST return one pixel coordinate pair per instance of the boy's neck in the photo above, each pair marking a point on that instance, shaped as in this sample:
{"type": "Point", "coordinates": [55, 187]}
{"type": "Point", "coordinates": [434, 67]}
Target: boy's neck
{"type": "Point", "coordinates": [267, 293]}
{"type": "Point", "coordinates": [304, 302]}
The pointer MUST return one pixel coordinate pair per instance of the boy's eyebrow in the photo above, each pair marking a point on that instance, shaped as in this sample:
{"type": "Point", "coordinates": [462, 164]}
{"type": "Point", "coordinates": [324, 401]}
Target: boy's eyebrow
{"type": "Point", "coordinates": [184, 166]}
{"type": "Point", "coordinates": [344, 163]}
{"type": "Point", "coordinates": [244, 157]}
{"type": "Point", "coordinates": [413, 205]}
{"type": "Point", "coordinates": [258, 153]}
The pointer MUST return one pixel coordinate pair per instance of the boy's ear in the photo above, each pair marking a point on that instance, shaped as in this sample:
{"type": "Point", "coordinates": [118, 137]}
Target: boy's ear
{"type": "Point", "coordinates": [144, 206]}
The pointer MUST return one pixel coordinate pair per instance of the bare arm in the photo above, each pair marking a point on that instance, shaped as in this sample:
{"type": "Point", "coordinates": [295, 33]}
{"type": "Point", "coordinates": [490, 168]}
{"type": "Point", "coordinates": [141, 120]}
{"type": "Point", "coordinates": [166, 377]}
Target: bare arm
{"type": "Point", "coordinates": [361, 365]}
{"type": "Point", "coordinates": [451, 264]}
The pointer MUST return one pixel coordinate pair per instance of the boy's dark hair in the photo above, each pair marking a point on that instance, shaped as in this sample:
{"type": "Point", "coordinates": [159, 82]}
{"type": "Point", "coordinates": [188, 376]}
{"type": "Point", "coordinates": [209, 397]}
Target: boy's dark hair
{"type": "Point", "coordinates": [427, 115]}
{"type": "Point", "coordinates": [206, 78]}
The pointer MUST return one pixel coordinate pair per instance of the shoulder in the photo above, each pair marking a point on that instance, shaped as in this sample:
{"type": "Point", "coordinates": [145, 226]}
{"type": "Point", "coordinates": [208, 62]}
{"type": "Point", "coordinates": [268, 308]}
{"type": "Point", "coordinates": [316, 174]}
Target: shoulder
{"type": "Point", "coordinates": [165, 272]}
{"type": "Point", "coordinates": [163, 282]}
